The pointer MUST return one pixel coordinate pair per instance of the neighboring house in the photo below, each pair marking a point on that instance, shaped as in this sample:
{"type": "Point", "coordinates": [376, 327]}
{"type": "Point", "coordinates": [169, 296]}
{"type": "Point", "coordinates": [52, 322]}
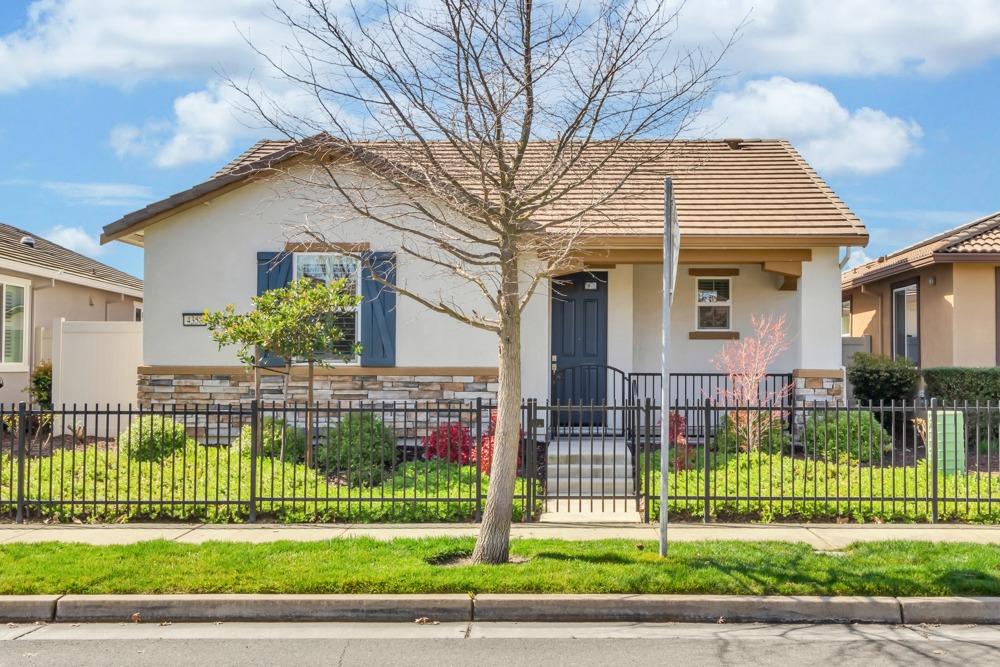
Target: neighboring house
{"type": "Point", "coordinates": [40, 282]}
{"type": "Point", "coordinates": [761, 233]}
{"type": "Point", "coordinates": [934, 302]}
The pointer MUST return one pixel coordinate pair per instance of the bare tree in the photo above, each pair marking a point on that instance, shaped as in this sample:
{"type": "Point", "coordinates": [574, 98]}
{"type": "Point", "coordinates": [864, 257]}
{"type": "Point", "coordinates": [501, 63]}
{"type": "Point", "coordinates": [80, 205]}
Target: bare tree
{"type": "Point", "coordinates": [491, 137]}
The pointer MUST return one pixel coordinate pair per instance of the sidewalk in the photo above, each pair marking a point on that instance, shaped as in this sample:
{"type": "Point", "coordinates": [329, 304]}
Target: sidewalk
{"type": "Point", "coordinates": [818, 536]}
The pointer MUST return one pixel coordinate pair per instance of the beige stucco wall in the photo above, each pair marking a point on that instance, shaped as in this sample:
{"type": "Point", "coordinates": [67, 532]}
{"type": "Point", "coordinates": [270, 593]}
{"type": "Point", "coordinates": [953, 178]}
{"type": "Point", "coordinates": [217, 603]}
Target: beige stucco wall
{"type": "Point", "coordinates": [49, 301]}
{"type": "Point", "coordinates": [754, 292]}
{"type": "Point", "coordinates": [205, 258]}
{"type": "Point", "coordinates": [974, 314]}
{"type": "Point", "coordinates": [941, 335]}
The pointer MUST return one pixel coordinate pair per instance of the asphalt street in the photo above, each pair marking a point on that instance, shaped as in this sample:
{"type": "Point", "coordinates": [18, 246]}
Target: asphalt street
{"type": "Point", "coordinates": [504, 644]}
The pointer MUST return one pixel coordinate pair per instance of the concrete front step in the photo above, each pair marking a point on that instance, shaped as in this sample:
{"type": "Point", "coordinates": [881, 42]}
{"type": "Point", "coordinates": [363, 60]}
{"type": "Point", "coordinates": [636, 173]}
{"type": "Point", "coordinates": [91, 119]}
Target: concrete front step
{"type": "Point", "coordinates": [595, 487]}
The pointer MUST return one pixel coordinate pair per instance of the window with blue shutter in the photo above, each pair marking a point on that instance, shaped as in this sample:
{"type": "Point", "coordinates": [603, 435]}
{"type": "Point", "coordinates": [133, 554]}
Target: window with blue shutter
{"type": "Point", "coordinates": [274, 269]}
{"type": "Point", "coordinates": [378, 310]}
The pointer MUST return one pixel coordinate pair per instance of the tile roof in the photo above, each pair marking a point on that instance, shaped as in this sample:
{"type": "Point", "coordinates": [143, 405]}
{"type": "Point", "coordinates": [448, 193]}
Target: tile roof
{"type": "Point", "coordinates": [48, 255]}
{"type": "Point", "coordinates": [981, 236]}
{"type": "Point", "coordinates": [757, 188]}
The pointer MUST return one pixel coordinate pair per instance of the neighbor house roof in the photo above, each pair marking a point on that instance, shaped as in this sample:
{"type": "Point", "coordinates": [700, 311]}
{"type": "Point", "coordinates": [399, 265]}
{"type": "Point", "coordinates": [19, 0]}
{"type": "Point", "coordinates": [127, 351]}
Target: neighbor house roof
{"type": "Point", "coordinates": [752, 189]}
{"type": "Point", "coordinates": [49, 260]}
{"type": "Point", "coordinates": [978, 240]}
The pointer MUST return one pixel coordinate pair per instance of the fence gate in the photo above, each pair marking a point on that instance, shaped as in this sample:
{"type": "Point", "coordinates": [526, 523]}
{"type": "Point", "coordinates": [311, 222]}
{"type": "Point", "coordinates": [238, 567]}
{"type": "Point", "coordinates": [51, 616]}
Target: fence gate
{"type": "Point", "coordinates": [592, 458]}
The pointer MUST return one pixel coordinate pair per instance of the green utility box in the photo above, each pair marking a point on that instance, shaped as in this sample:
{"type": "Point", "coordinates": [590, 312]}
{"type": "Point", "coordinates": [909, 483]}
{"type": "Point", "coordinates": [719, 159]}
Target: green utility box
{"type": "Point", "coordinates": [946, 430]}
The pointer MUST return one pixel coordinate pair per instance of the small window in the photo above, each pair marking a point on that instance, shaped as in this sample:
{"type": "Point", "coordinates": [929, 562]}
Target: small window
{"type": "Point", "coordinates": [905, 327]}
{"type": "Point", "coordinates": [845, 318]}
{"type": "Point", "coordinates": [715, 305]}
{"type": "Point", "coordinates": [13, 300]}
{"type": "Point", "coordinates": [138, 313]}
{"type": "Point", "coordinates": [327, 268]}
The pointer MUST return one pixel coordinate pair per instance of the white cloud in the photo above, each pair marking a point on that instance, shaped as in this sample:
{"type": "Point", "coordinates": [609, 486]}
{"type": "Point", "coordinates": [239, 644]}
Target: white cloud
{"type": "Point", "coordinates": [848, 37]}
{"type": "Point", "coordinates": [832, 138]}
{"type": "Point", "coordinates": [857, 258]}
{"type": "Point", "coordinates": [76, 239]}
{"type": "Point", "coordinates": [124, 42]}
{"type": "Point", "coordinates": [100, 194]}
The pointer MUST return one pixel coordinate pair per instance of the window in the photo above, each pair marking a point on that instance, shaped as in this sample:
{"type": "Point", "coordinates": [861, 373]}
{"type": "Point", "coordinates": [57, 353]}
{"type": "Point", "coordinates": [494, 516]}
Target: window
{"type": "Point", "coordinates": [905, 327]}
{"type": "Point", "coordinates": [329, 267]}
{"type": "Point", "coordinates": [845, 318]}
{"type": "Point", "coordinates": [714, 299]}
{"type": "Point", "coordinates": [138, 313]}
{"type": "Point", "coordinates": [13, 356]}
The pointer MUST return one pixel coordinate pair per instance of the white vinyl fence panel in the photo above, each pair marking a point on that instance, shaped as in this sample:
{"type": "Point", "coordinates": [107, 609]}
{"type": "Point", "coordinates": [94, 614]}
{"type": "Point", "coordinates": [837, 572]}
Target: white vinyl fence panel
{"type": "Point", "coordinates": [95, 362]}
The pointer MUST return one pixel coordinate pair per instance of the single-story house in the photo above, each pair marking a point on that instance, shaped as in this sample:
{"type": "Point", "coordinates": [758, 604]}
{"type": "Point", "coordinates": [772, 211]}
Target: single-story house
{"type": "Point", "coordinates": [934, 302]}
{"type": "Point", "coordinates": [42, 281]}
{"type": "Point", "coordinates": [762, 233]}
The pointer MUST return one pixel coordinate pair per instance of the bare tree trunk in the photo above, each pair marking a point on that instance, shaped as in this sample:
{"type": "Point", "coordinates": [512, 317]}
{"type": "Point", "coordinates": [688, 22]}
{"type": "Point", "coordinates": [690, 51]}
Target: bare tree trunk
{"type": "Point", "coordinates": [309, 415]}
{"type": "Point", "coordinates": [493, 543]}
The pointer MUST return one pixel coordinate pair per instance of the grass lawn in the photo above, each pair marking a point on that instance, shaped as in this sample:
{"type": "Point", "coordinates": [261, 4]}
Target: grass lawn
{"type": "Point", "coordinates": [107, 485]}
{"type": "Point", "coordinates": [409, 566]}
{"type": "Point", "coordinates": [816, 489]}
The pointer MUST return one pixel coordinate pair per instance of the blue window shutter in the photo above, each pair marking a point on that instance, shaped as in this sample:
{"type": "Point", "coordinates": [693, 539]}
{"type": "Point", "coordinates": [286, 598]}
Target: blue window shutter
{"type": "Point", "coordinates": [378, 311]}
{"type": "Point", "coordinates": [274, 269]}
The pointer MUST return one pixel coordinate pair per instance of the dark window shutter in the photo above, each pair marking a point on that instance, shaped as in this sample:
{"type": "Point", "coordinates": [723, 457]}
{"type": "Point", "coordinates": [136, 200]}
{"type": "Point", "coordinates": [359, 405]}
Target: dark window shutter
{"type": "Point", "coordinates": [274, 269]}
{"type": "Point", "coordinates": [378, 311]}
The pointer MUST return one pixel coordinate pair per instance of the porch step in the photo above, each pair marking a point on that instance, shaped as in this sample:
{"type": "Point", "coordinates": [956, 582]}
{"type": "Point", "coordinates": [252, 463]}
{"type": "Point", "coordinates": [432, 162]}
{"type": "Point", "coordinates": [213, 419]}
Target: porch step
{"type": "Point", "coordinates": [577, 486]}
{"type": "Point", "coordinates": [590, 467]}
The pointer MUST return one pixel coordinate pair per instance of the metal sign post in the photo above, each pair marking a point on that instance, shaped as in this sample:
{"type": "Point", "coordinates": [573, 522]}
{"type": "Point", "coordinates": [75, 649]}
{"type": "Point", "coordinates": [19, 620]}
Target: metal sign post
{"type": "Point", "coordinates": [671, 251]}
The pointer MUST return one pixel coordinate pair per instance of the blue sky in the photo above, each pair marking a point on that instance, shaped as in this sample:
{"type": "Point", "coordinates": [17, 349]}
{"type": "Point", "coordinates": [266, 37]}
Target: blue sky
{"type": "Point", "coordinates": [107, 105]}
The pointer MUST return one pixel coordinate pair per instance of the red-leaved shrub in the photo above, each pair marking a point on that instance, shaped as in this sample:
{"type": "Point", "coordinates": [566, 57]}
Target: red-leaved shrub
{"type": "Point", "coordinates": [450, 441]}
{"type": "Point", "coordinates": [489, 442]}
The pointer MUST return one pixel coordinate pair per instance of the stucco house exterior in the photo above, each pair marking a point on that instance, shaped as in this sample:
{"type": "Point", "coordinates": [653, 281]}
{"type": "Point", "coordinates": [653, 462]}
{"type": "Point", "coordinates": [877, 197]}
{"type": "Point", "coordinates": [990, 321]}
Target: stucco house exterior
{"type": "Point", "coordinates": [761, 233]}
{"type": "Point", "coordinates": [41, 281]}
{"type": "Point", "coordinates": [934, 302]}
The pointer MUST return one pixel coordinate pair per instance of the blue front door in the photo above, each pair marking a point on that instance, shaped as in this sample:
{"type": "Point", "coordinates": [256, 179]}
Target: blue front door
{"type": "Point", "coordinates": [580, 339]}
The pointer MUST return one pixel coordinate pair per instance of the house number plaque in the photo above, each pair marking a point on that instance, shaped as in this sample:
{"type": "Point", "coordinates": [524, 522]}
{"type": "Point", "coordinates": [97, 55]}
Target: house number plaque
{"type": "Point", "coordinates": [193, 319]}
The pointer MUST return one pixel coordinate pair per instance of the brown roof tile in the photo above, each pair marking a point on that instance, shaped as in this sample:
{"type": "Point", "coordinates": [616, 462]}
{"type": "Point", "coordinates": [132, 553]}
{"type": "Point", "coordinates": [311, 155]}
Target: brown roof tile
{"type": "Point", "coordinates": [48, 255]}
{"type": "Point", "coordinates": [762, 188]}
{"type": "Point", "coordinates": [979, 236]}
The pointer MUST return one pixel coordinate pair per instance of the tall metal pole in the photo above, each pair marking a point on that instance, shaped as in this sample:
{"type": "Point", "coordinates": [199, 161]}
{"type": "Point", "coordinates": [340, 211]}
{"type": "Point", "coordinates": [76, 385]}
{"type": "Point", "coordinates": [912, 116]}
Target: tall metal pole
{"type": "Point", "coordinates": [671, 239]}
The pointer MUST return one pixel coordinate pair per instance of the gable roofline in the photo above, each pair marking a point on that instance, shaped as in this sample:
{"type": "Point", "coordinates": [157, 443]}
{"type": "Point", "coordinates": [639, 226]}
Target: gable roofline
{"type": "Point", "coordinates": [49, 260]}
{"type": "Point", "coordinates": [793, 203]}
{"type": "Point", "coordinates": [944, 247]}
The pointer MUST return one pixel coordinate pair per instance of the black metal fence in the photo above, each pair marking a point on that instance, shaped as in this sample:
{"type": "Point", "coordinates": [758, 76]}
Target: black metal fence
{"type": "Point", "coordinates": [430, 462]}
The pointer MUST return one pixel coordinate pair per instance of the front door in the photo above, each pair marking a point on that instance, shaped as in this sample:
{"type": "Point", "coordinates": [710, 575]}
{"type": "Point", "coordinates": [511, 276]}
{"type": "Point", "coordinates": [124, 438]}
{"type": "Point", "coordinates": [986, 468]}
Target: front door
{"type": "Point", "coordinates": [580, 340]}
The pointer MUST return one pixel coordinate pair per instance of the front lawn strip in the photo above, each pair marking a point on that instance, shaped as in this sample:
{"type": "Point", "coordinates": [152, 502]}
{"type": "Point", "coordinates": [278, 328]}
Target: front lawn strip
{"type": "Point", "coordinates": [364, 565]}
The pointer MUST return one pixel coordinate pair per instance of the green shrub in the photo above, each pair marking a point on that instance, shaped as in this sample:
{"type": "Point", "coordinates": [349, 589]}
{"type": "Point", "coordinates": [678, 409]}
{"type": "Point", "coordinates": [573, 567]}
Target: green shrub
{"type": "Point", "coordinates": [963, 384]}
{"type": "Point", "coordinates": [876, 378]}
{"type": "Point", "coordinates": [361, 447]}
{"type": "Point", "coordinates": [272, 431]}
{"type": "Point", "coordinates": [771, 436]}
{"type": "Point", "coordinates": [39, 387]}
{"type": "Point", "coordinates": [854, 435]}
{"type": "Point", "coordinates": [153, 437]}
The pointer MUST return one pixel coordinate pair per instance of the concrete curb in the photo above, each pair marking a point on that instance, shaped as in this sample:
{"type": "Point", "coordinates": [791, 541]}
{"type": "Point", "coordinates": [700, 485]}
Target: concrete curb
{"type": "Point", "coordinates": [494, 607]}
{"type": "Point", "coordinates": [194, 608]}
{"type": "Point", "coordinates": [950, 610]}
{"type": "Point", "coordinates": [27, 608]}
{"type": "Point", "coordinates": [686, 608]}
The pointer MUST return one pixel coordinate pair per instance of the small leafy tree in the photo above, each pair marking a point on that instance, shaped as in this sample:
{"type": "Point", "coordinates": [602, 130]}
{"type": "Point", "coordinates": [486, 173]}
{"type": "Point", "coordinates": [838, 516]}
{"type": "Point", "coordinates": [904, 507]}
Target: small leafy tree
{"type": "Point", "coordinates": [746, 363]}
{"type": "Point", "coordinates": [301, 321]}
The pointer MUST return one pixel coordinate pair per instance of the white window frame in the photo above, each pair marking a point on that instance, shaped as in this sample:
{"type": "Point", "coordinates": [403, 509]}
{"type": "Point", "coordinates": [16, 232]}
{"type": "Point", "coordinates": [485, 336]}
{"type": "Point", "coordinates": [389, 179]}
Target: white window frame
{"type": "Point", "coordinates": [729, 303]}
{"type": "Point", "coordinates": [22, 366]}
{"type": "Point", "coordinates": [850, 318]}
{"type": "Point", "coordinates": [355, 360]}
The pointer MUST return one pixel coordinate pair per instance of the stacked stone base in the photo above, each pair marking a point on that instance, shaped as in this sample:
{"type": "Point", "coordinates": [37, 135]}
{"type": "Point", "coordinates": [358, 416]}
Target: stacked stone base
{"type": "Point", "coordinates": [412, 404]}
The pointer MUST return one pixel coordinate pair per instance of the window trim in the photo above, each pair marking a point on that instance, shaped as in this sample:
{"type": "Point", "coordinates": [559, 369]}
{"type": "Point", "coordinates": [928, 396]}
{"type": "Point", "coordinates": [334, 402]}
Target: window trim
{"type": "Point", "coordinates": [849, 302]}
{"type": "Point", "coordinates": [22, 366]}
{"type": "Point", "coordinates": [729, 303]}
{"type": "Point", "coordinates": [338, 361]}
{"type": "Point", "coordinates": [137, 309]}
{"type": "Point", "coordinates": [893, 288]}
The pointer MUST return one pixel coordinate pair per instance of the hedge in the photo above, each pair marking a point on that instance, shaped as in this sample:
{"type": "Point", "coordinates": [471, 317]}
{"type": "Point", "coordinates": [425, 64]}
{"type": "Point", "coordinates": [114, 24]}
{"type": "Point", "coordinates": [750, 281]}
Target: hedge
{"type": "Point", "coordinates": [963, 384]}
{"type": "Point", "coordinates": [876, 378]}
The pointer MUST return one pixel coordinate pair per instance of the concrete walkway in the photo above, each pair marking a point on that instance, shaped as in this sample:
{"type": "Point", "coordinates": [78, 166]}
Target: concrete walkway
{"type": "Point", "coordinates": [818, 536]}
